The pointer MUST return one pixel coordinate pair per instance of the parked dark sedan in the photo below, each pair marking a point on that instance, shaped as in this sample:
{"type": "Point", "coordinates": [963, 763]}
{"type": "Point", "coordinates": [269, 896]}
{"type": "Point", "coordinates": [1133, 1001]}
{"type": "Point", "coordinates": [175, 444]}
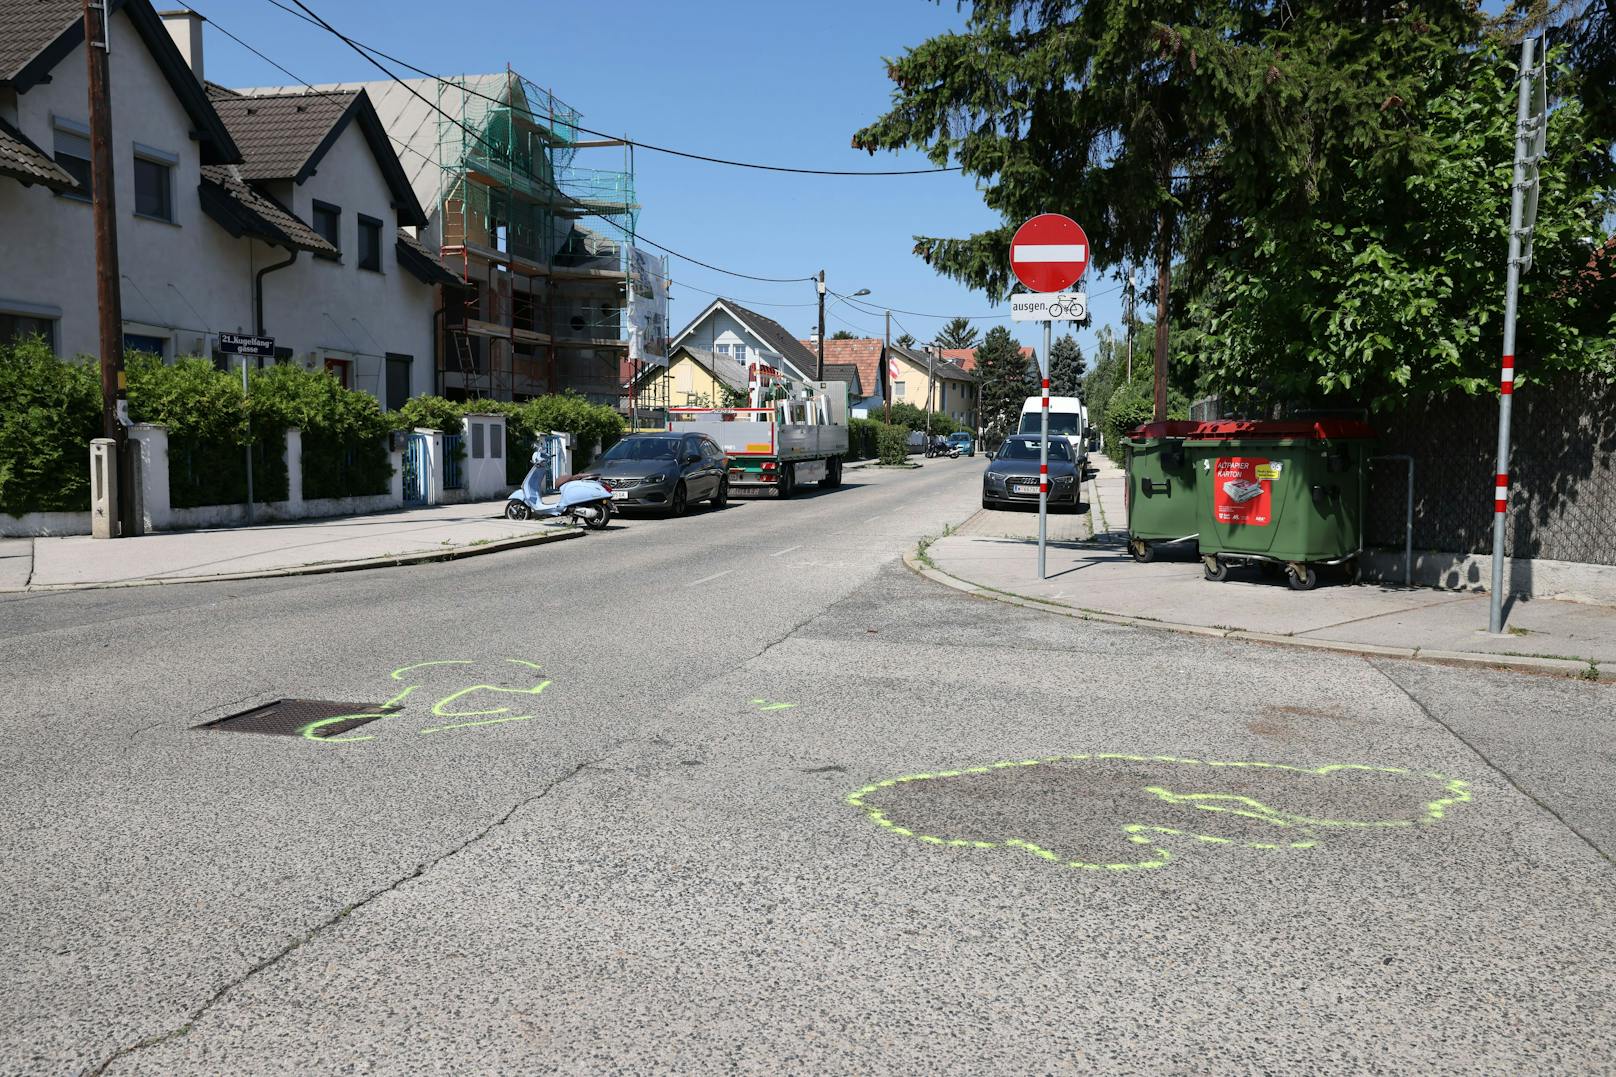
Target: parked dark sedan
{"type": "Point", "coordinates": [1012, 474]}
{"type": "Point", "coordinates": [664, 471]}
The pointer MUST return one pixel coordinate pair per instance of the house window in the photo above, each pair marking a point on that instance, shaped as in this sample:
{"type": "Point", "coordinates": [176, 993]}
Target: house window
{"type": "Point", "coordinates": [898, 388]}
{"type": "Point", "coordinates": [370, 243]}
{"type": "Point", "coordinates": [328, 222]}
{"type": "Point", "coordinates": [73, 154]}
{"type": "Point", "coordinates": [154, 184]}
{"type": "Point", "coordinates": [398, 380]}
{"type": "Point", "coordinates": [740, 353]}
{"type": "Point", "coordinates": [140, 342]}
{"type": "Point", "coordinates": [15, 327]}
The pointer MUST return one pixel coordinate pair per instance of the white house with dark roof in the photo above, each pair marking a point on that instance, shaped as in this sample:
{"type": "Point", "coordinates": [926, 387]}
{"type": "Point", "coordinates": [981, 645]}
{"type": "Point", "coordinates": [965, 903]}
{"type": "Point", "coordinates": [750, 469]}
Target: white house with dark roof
{"type": "Point", "coordinates": [285, 219]}
{"type": "Point", "coordinates": [731, 331]}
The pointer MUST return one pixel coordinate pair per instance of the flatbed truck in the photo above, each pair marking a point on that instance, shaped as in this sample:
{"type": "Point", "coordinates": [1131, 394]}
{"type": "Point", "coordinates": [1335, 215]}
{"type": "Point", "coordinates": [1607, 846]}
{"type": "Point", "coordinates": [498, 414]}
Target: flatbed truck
{"type": "Point", "coordinates": [787, 436]}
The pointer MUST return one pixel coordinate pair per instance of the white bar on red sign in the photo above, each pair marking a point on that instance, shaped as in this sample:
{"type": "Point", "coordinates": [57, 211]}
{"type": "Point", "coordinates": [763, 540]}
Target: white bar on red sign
{"type": "Point", "coordinates": [1047, 252]}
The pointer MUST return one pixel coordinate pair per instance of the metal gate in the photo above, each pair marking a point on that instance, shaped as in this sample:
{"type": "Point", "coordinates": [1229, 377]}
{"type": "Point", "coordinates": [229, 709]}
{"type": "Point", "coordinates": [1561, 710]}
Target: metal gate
{"type": "Point", "coordinates": [416, 470]}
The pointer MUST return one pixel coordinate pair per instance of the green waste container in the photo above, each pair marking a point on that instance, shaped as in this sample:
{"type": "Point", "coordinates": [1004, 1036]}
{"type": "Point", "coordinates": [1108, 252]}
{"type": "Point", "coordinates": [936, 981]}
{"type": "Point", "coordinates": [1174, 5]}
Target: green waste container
{"type": "Point", "coordinates": [1161, 500]}
{"type": "Point", "coordinates": [1285, 493]}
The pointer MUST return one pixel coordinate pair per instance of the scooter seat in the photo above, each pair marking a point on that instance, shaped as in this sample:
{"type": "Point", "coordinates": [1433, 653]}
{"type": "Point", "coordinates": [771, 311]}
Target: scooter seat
{"type": "Point", "coordinates": [564, 479]}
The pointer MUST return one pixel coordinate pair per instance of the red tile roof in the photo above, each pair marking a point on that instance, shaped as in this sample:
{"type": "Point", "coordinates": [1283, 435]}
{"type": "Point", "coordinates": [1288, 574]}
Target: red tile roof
{"type": "Point", "coordinates": [966, 357]}
{"type": "Point", "coordinates": [862, 352]}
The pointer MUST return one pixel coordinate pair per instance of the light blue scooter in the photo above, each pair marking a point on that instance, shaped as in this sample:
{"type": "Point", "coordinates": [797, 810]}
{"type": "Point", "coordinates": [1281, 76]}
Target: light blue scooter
{"type": "Point", "coordinates": [584, 501]}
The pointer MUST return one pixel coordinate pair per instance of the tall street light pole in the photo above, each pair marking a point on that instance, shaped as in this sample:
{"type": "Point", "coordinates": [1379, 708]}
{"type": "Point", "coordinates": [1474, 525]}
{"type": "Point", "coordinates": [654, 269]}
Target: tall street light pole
{"type": "Point", "coordinates": [114, 399]}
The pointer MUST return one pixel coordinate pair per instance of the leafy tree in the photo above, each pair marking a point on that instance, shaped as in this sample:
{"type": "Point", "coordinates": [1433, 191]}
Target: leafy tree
{"type": "Point", "coordinates": [905, 341]}
{"type": "Point", "coordinates": [842, 334]}
{"type": "Point", "coordinates": [1066, 367]}
{"type": "Point", "coordinates": [1393, 288]}
{"type": "Point", "coordinates": [1160, 126]}
{"type": "Point", "coordinates": [1002, 382]}
{"type": "Point", "coordinates": [959, 333]}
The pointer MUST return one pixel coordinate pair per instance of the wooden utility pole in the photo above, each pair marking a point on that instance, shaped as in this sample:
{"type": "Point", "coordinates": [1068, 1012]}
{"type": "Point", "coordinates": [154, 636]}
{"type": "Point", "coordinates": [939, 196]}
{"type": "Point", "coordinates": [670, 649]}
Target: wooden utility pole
{"type": "Point", "coordinates": [886, 372]}
{"type": "Point", "coordinates": [820, 374]}
{"type": "Point", "coordinates": [1164, 265]}
{"type": "Point", "coordinates": [114, 397]}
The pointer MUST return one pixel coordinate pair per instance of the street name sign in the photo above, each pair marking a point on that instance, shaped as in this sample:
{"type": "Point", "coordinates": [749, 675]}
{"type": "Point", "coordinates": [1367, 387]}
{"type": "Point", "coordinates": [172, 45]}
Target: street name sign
{"type": "Point", "coordinates": [239, 344]}
{"type": "Point", "coordinates": [1049, 253]}
{"type": "Point", "coordinates": [1056, 306]}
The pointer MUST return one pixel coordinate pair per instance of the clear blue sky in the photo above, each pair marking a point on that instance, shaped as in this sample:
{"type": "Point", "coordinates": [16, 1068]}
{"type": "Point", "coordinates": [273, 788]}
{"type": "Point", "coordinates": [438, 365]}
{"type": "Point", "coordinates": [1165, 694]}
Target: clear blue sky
{"type": "Point", "coordinates": [761, 80]}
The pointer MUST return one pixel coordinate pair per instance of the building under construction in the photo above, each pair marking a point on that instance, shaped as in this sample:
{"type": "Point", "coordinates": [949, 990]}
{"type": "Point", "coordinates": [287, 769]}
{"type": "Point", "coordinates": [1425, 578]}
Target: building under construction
{"type": "Point", "coordinates": [538, 237]}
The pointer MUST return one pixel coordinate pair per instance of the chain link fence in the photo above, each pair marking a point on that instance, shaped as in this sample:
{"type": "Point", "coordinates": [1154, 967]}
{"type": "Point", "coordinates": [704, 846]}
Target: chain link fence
{"type": "Point", "coordinates": [1562, 473]}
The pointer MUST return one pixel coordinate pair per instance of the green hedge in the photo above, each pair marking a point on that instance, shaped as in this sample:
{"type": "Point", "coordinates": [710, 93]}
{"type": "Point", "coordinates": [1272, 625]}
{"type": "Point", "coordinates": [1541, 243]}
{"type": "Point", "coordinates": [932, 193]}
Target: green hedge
{"type": "Point", "coordinates": [863, 439]}
{"type": "Point", "coordinates": [893, 442]}
{"type": "Point", "coordinates": [1133, 404]}
{"type": "Point", "coordinates": [49, 412]}
{"type": "Point", "coordinates": [214, 472]}
{"type": "Point", "coordinates": [344, 454]}
{"type": "Point", "coordinates": [913, 418]}
{"type": "Point", "coordinates": [206, 417]}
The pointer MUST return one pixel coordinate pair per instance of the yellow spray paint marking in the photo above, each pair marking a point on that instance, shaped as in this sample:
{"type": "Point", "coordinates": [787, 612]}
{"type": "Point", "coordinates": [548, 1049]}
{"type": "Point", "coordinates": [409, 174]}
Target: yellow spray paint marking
{"type": "Point", "coordinates": [311, 731]}
{"type": "Point", "coordinates": [1457, 792]}
{"type": "Point", "coordinates": [438, 707]}
{"type": "Point", "coordinates": [765, 705]}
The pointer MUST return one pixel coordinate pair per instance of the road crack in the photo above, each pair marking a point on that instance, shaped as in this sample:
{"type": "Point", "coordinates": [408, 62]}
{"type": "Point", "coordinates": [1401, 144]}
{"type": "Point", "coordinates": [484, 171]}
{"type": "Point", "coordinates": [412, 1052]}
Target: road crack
{"type": "Point", "coordinates": [328, 924]}
{"type": "Point", "coordinates": [1496, 769]}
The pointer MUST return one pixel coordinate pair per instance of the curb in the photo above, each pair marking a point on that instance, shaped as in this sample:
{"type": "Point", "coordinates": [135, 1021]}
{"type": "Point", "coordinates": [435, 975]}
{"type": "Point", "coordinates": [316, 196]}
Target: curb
{"type": "Point", "coordinates": [1560, 667]}
{"type": "Point", "coordinates": [455, 553]}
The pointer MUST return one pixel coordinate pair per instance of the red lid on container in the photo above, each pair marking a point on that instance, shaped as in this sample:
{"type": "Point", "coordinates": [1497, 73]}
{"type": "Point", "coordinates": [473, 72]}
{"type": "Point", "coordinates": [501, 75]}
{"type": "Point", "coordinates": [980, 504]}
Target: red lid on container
{"type": "Point", "coordinates": [1284, 428]}
{"type": "Point", "coordinates": [1256, 428]}
{"type": "Point", "coordinates": [1171, 428]}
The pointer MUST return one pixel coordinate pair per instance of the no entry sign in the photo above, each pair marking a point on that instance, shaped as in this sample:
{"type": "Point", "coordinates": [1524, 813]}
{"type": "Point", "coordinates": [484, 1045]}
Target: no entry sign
{"type": "Point", "coordinates": [1049, 253]}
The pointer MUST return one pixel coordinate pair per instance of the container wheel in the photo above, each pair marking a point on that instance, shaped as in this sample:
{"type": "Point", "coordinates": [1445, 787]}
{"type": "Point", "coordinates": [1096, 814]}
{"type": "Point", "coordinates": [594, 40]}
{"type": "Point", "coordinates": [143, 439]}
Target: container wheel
{"type": "Point", "coordinates": [1142, 551]}
{"type": "Point", "coordinates": [1301, 577]}
{"type": "Point", "coordinates": [1215, 568]}
{"type": "Point", "coordinates": [1354, 571]}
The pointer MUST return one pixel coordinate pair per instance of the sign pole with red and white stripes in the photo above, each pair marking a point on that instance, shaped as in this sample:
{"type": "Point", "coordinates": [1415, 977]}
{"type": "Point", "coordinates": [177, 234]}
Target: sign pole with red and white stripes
{"type": "Point", "coordinates": [1530, 117]}
{"type": "Point", "coordinates": [1048, 253]}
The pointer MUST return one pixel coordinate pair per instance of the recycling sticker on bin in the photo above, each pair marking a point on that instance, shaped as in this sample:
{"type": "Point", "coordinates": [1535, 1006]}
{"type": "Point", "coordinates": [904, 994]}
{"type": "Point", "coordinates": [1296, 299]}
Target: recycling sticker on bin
{"type": "Point", "coordinates": [1242, 490]}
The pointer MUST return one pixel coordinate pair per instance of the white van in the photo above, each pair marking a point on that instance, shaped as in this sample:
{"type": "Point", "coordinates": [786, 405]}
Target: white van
{"type": "Point", "coordinates": [1068, 418]}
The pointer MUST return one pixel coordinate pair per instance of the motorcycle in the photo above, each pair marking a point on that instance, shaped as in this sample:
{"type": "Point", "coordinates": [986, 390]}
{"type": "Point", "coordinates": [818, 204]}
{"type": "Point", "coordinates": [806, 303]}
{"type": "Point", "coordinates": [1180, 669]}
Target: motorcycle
{"type": "Point", "coordinates": [583, 501]}
{"type": "Point", "coordinates": [939, 447]}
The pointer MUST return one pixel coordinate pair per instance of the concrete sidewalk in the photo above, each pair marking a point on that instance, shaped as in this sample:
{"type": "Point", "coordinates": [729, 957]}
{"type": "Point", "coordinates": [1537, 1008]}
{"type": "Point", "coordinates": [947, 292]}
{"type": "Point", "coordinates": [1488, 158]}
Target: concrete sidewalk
{"type": "Point", "coordinates": [995, 554]}
{"type": "Point", "coordinates": [443, 532]}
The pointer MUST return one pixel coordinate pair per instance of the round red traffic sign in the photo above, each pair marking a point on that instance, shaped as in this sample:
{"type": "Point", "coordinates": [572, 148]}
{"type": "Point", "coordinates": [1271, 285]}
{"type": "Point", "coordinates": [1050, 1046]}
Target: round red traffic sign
{"type": "Point", "coordinates": [1049, 253]}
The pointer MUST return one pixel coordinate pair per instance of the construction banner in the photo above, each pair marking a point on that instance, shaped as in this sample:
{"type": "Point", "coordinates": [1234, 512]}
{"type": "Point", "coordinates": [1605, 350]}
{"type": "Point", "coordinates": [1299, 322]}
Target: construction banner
{"type": "Point", "coordinates": [647, 308]}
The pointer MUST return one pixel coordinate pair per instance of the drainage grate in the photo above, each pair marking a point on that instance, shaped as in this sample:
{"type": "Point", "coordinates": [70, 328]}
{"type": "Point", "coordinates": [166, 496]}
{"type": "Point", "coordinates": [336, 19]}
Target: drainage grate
{"type": "Point", "coordinates": [289, 717]}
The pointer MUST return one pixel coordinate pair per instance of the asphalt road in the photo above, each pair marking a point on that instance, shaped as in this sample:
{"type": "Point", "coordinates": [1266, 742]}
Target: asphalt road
{"type": "Point", "coordinates": [687, 851]}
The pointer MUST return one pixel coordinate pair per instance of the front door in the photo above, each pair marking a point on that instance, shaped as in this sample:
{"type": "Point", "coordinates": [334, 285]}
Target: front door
{"type": "Point", "coordinates": [342, 370]}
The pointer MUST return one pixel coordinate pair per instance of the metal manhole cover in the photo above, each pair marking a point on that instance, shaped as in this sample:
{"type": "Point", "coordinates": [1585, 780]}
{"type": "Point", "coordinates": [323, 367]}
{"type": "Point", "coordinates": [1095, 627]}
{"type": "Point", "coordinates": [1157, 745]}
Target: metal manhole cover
{"type": "Point", "coordinates": [290, 717]}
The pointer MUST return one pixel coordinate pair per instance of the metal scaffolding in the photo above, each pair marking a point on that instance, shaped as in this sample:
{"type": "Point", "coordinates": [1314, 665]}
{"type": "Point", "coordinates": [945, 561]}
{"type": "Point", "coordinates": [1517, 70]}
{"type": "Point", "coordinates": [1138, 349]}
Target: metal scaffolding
{"type": "Point", "coordinates": [541, 240]}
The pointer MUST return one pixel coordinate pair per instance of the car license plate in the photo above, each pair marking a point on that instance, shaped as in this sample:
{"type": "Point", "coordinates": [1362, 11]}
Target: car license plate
{"type": "Point", "coordinates": [619, 495]}
{"type": "Point", "coordinates": [1024, 489]}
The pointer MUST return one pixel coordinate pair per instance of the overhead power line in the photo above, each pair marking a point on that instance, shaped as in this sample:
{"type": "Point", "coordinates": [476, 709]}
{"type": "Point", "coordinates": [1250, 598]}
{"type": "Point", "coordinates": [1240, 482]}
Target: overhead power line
{"type": "Point", "coordinates": [629, 141]}
{"type": "Point", "coordinates": [638, 237]}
